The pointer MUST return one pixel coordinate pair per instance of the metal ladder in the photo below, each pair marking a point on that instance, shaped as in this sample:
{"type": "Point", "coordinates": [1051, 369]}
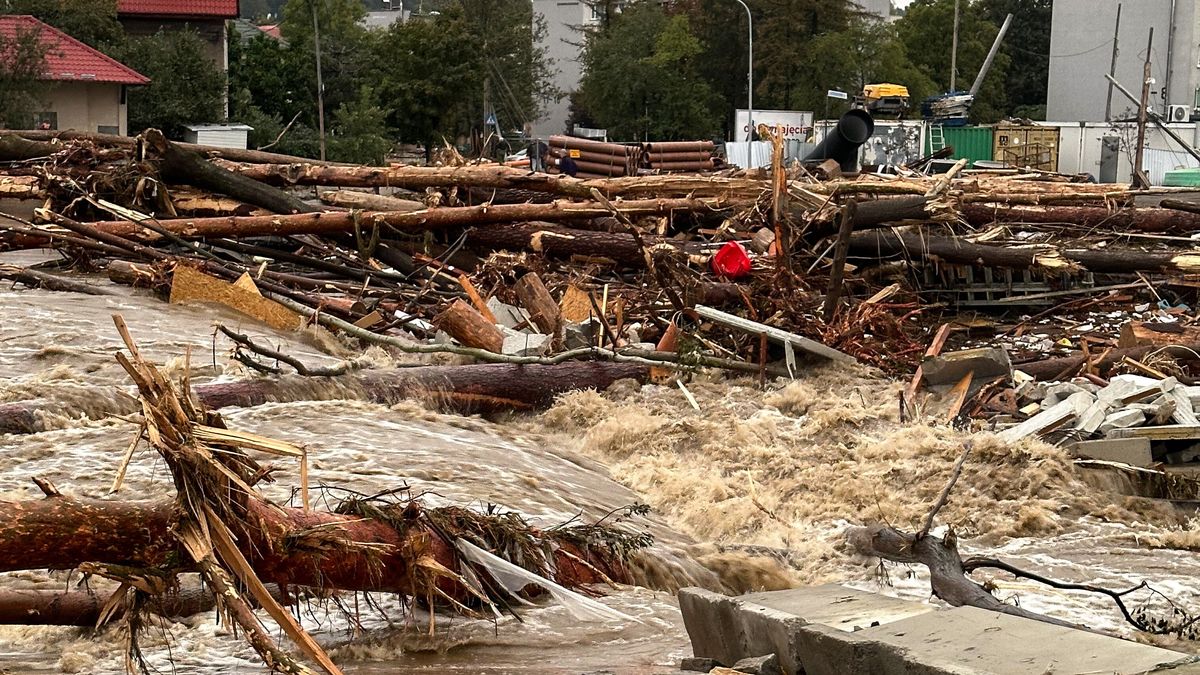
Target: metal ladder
{"type": "Point", "coordinates": [937, 137]}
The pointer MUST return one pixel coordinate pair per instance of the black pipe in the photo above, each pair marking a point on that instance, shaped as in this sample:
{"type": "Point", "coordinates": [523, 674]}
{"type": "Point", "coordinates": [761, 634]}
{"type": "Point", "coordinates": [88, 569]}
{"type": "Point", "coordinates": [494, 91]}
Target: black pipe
{"type": "Point", "coordinates": [842, 144]}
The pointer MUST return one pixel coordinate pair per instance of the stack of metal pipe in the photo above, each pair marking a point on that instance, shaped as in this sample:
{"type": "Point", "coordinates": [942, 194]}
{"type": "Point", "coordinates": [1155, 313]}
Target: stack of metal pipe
{"type": "Point", "coordinates": [594, 159]}
{"type": "Point", "coordinates": [679, 156]}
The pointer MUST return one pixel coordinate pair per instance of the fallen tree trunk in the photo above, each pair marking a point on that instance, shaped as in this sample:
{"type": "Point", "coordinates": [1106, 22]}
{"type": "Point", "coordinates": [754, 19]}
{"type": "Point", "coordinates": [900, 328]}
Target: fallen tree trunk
{"type": "Point", "coordinates": [183, 165]}
{"type": "Point", "coordinates": [561, 242]}
{"type": "Point", "coordinates": [1085, 217]}
{"type": "Point", "coordinates": [498, 177]}
{"type": "Point", "coordinates": [348, 222]}
{"type": "Point", "coordinates": [947, 575]}
{"type": "Point", "coordinates": [287, 546]}
{"type": "Point", "coordinates": [954, 250]}
{"type": "Point", "coordinates": [467, 389]}
{"type": "Point", "coordinates": [21, 187]}
{"type": "Point", "coordinates": [51, 282]}
{"type": "Point", "coordinates": [130, 142]}
{"type": "Point", "coordinates": [37, 607]}
{"type": "Point", "coordinates": [1049, 369]}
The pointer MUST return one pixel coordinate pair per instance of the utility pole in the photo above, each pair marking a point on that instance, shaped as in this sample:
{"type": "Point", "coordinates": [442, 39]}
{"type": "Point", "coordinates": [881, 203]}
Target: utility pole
{"type": "Point", "coordinates": [1139, 177]}
{"type": "Point", "coordinates": [320, 83]}
{"type": "Point", "coordinates": [954, 49]}
{"type": "Point", "coordinates": [1112, 66]}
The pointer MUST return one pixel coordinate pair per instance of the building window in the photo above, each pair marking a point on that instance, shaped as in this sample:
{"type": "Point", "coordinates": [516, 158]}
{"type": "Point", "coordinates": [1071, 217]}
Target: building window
{"type": "Point", "coordinates": [108, 129]}
{"type": "Point", "coordinates": [46, 120]}
{"type": "Point", "coordinates": [122, 100]}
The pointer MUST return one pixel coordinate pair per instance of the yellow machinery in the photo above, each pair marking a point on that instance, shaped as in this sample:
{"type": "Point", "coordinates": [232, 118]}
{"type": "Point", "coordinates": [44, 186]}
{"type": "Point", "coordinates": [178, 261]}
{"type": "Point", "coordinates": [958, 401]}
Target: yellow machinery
{"type": "Point", "coordinates": [884, 100]}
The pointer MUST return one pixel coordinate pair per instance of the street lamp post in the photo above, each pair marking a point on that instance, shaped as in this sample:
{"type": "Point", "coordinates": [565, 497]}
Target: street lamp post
{"type": "Point", "coordinates": [750, 73]}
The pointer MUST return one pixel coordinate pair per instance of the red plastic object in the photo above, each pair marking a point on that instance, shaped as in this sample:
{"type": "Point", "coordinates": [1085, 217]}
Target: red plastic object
{"type": "Point", "coordinates": [731, 262]}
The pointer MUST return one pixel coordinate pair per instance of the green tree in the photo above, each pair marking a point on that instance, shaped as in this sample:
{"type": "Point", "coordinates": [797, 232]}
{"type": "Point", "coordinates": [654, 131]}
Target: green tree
{"type": "Point", "coordinates": [22, 62]}
{"type": "Point", "coordinates": [867, 52]}
{"type": "Point", "coordinates": [360, 131]}
{"type": "Point", "coordinates": [185, 87]}
{"type": "Point", "coordinates": [93, 22]}
{"type": "Point", "coordinates": [1027, 47]}
{"type": "Point", "coordinates": [642, 81]}
{"type": "Point", "coordinates": [428, 76]}
{"type": "Point", "coordinates": [926, 30]}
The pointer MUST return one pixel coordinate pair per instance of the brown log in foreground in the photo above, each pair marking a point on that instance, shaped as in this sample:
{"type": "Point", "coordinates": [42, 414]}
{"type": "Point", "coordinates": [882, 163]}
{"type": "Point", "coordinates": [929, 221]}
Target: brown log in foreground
{"type": "Point", "coordinates": [468, 389]}
{"type": "Point", "coordinates": [465, 324]}
{"type": "Point", "coordinates": [419, 221]}
{"type": "Point", "coordinates": [953, 250]}
{"type": "Point", "coordinates": [39, 607]}
{"type": "Point", "coordinates": [1147, 219]}
{"type": "Point", "coordinates": [369, 201]}
{"type": "Point", "coordinates": [287, 546]}
{"type": "Point", "coordinates": [536, 299]}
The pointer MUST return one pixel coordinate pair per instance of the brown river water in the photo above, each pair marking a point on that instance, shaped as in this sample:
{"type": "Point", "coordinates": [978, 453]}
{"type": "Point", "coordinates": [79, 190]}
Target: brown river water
{"type": "Point", "coordinates": [751, 491]}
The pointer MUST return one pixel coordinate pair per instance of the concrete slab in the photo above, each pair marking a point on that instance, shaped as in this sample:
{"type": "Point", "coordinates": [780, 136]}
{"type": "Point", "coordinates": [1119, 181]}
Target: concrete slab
{"type": "Point", "coordinates": [1133, 451]}
{"type": "Point", "coordinates": [907, 638]}
{"type": "Point", "coordinates": [972, 640]}
{"type": "Point", "coordinates": [839, 607]}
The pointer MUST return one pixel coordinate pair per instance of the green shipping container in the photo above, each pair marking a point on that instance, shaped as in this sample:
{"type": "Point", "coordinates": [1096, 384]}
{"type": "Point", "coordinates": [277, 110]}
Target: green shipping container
{"type": "Point", "coordinates": [972, 143]}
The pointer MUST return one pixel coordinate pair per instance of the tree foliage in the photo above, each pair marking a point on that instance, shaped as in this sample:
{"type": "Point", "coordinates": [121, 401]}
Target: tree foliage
{"type": "Point", "coordinates": [1027, 47]}
{"type": "Point", "coordinates": [93, 22]}
{"type": "Point", "coordinates": [642, 78]}
{"type": "Point", "coordinates": [926, 31]}
{"type": "Point", "coordinates": [22, 62]}
{"type": "Point", "coordinates": [186, 87]}
{"type": "Point", "coordinates": [866, 52]}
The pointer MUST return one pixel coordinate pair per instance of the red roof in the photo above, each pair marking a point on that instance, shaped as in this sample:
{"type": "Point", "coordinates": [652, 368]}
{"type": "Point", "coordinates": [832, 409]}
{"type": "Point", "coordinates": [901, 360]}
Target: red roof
{"type": "Point", "coordinates": [189, 9]}
{"type": "Point", "coordinates": [68, 59]}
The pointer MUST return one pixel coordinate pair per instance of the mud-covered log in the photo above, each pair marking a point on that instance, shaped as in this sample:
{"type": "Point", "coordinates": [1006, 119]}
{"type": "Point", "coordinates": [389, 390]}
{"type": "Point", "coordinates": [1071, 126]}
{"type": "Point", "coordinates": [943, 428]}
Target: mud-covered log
{"type": "Point", "coordinates": [187, 166]}
{"type": "Point", "coordinates": [466, 389]}
{"type": "Point", "coordinates": [1146, 219]}
{"type": "Point", "coordinates": [562, 242]}
{"type": "Point", "coordinates": [287, 546]}
{"type": "Point", "coordinates": [84, 608]}
{"type": "Point", "coordinates": [949, 249]}
{"type": "Point", "coordinates": [15, 148]}
{"type": "Point", "coordinates": [465, 324]}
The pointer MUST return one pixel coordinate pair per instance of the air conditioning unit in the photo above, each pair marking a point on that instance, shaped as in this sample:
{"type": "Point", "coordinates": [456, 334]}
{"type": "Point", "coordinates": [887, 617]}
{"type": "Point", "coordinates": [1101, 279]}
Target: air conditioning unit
{"type": "Point", "coordinates": [1179, 113]}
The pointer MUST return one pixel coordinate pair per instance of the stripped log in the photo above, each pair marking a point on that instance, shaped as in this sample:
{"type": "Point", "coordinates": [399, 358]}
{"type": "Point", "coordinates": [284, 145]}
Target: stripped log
{"type": "Point", "coordinates": [466, 389]}
{"type": "Point", "coordinates": [287, 546]}
{"type": "Point", "coordinates": [51, 282]}
{"type": "Point", "coordinates": [495, 176]}
{"type": "Point", "coordinates": [368, 201]}
{"type": "Point", "coordinates": [465, 324]}
{"type": "Point", "coordinates": [536, 299]}
{"type": "Point", "coordinates": [348, 222]}
{"type": "Point", "coordinates": [953, 250]}
{"type": "Point", "coordinates": [1086, 217]}
{"type": "Point", "coordinates": [1054, 368]}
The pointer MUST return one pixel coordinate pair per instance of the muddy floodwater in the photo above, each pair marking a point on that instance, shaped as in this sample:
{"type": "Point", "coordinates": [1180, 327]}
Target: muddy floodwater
{"type": "Point", "coordinates": [750, 491]}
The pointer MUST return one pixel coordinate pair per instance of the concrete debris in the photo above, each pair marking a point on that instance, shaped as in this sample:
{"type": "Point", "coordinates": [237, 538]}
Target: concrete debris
{"type": "Point", "coordinates": [758, 665]}
{"type": "Point", "coordinates": [525, 344]}
{"type": "Point", "coordinates": [1131, 451]}
{"type": "Point", "coordinates": [697, 664]}
{"type": "Point", "coordinates": [508, 315]}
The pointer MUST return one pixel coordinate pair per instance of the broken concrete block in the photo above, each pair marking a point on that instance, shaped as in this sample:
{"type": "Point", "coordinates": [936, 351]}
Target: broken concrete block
{"type": "Point", "coordinates": [1132, 451]}
{"type": "Point", "coordinates": [582, 335]}
{"type": "Point", "coordinates": [949, 369]}
{"type": "Point", "coordinates": [1059, 392]}
{"type": "Point", "coordinates": [507, 315]}
{"type": "Point", "coordinates": [526, 344]}
{"type": "Point", "coordinates": [697, 664]}
{"type": "Point", "coordinates": [1089, 422]}
{"type": "Point", "coordinates": [1048, 420]}
{"type": "Point", "coordinates": [1123, 419]}
{"type": "Point", "coordinates": [1184, 413]}
{"type": "Point", "coordinates": [1031, 390]}
{"type": "Point", "coordinates": [759, 665]}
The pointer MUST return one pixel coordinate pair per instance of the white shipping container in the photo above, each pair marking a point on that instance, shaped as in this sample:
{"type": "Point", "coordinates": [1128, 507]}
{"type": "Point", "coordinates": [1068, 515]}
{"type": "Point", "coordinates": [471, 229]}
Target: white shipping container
{"type": "Point", "coordinates": [796, 124]}
{"type": "Point", "coordinates": [219, 135]}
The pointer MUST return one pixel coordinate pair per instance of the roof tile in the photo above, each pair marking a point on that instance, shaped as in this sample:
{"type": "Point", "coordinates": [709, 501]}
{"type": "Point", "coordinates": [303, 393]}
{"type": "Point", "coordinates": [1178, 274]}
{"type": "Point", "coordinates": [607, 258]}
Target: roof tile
{"type": "Point", "coordinates": [217, 9]}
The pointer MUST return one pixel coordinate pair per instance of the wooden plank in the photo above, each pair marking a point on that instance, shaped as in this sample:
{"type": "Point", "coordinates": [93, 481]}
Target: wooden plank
{"type": "Point", "coordinates": [1169, 432]}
